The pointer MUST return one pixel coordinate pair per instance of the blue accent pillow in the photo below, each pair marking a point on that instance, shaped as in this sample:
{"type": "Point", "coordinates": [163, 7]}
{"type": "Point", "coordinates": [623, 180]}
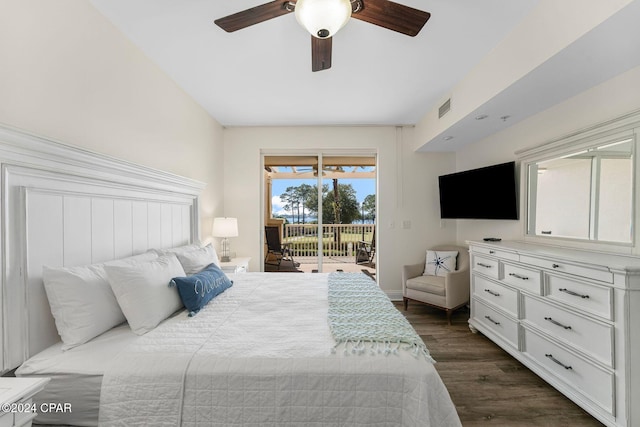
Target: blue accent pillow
{"type": "Point", "coordinates": [198, 289]}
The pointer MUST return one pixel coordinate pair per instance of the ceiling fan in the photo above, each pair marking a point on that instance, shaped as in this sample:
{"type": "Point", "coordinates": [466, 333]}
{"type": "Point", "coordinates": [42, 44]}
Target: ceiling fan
{"type": "Point", "coordinates": [323, 18]}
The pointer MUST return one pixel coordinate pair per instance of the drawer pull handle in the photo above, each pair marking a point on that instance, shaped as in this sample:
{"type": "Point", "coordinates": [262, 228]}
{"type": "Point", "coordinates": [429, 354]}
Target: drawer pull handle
{"type": "Point", "coordinates": [489, 291]}
{"type": "Point", "coordinates": [555, 322]}
{"type": "Point", "coordinates": [492, 252]}
{"type": "Point", "coordinates": [550, 356]}
{"type": "Point", "coordinates": [555, 265]}
{"type": "Point", "coordinates": [575, 294]}
{"type": "Point", "coordinates": [517, 276]}
{"type": "Point", "coordinates": [483, 265]}
{"type": "Point", "coordinates": [491, 320]}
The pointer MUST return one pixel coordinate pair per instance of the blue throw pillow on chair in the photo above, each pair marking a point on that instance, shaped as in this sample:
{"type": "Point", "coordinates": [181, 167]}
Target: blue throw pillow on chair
{"type": "Point", "coordinates": [198, 289]}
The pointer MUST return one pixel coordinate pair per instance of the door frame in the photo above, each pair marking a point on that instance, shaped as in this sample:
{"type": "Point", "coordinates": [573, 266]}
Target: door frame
{"type": "Point", "coordinates": [319, 153]}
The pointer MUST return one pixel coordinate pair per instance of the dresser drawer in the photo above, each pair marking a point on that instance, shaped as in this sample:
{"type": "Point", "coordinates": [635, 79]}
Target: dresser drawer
{"type": "Point", "coordinates": [498, 253]}
{"type": "Point", "coordinates": [583, 296]}
{"type": "Point", "coordinates": [496, 322]}
{"type": "Point", "coordinates": [488, 266]}
{"type": "Point", "coordinates": [591, 337]}
{"type": "Point", "coordinates": [584, 377]}
{"type": "Point", "coordinates": [523, 278]}
{"type": "Point", "coordinates": [496, 294]}
{"type": "Point", "coordinates": [601, 274]}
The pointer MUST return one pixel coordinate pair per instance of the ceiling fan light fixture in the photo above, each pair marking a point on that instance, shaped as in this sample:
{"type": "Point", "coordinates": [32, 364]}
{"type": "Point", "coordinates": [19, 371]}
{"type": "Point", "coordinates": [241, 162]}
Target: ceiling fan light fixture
{"type": "Point", "coordinates": [323, 18]}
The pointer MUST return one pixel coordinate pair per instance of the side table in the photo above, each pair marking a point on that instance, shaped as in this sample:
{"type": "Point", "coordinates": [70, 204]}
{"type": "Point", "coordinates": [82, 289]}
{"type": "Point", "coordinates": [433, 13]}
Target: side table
{"type": "Point", "coordinates": [236, 265]}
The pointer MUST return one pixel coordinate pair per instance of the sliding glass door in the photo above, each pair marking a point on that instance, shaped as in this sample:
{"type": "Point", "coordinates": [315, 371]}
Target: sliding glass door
{"type": "Point", "coordinates": [323, 207]}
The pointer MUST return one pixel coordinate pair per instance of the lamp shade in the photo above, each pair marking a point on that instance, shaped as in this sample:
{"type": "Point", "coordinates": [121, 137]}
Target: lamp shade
{"type": "Point", "coordinates": [225, 227]}
{"type": "Point", "coordinates": [323, 18]}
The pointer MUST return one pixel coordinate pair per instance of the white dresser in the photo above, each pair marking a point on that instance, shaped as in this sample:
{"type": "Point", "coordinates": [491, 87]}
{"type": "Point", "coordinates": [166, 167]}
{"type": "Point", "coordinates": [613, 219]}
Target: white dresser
{"type": "Point", "coordinates": [571, 316]}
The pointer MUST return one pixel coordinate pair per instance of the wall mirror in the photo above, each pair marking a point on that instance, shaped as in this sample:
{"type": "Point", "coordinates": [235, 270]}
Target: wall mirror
{"type": "Point", "coordinates": [585, 195]}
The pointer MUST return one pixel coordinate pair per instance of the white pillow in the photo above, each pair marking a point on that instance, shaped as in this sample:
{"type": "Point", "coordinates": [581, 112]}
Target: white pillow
{"type": "Point", "coordinates": [439, 263]}
{"type": "Point", "coordinates": [177, 249]}
{"type": "Point", "coordinates": [195, 261]}
{"type": "Point", "coordinates": [82, 302]}
{"type": "Point", "coordinates": [143, 291]}
{"type": "Point", "coordinates": [143, 257]}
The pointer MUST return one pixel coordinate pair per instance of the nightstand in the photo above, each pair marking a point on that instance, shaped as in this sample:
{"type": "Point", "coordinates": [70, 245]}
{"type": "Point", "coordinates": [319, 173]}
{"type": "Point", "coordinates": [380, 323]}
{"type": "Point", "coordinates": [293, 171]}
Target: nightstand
{"type": "Point", "coordinates": [236, 265]}
{"type": "Point", "coordinates": [18, 409]}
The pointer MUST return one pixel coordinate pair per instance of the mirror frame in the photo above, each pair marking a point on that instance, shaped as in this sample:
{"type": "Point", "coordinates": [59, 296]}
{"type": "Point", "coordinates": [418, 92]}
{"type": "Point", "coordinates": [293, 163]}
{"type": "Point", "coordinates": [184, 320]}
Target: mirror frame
{"type": "Point", "coordinates": [625, 127]}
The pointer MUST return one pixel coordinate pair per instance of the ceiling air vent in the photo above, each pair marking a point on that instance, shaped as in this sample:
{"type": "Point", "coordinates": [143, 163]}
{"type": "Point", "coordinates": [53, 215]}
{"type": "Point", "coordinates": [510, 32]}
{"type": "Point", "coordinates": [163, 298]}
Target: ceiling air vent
{"type": "Point", "coordinates": [444, 108]}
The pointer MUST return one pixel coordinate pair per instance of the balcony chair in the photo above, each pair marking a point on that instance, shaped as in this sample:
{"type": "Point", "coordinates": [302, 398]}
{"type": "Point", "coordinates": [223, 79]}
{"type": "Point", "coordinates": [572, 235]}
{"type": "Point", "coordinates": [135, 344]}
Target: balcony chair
{"type": "Point", "coordinates": [448, 292]}
{"type": "Point", "coordinates": [366, 251]}
{"type": "Point", "coordinates": [281, 251]}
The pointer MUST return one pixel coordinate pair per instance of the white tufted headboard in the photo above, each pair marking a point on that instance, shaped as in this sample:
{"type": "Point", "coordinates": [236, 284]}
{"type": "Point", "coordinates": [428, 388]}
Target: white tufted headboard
{"type": "Point", "coordinates": [64, 206]}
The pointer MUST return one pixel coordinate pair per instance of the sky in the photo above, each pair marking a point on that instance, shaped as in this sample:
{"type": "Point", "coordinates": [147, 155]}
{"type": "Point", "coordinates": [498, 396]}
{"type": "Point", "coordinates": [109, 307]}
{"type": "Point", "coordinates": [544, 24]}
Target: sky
{"type": "Point", "coordinates": [363, 188]}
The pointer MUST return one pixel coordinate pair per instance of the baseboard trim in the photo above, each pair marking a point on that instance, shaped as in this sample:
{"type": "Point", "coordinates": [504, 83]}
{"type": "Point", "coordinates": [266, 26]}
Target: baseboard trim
{"type": "Point", "coordinates": [394, 295]}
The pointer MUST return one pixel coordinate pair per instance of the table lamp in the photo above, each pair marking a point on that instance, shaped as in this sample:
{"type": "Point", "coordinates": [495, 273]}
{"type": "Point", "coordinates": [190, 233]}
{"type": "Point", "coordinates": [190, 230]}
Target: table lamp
{"type": "Point", "coordinates": [225, 228]}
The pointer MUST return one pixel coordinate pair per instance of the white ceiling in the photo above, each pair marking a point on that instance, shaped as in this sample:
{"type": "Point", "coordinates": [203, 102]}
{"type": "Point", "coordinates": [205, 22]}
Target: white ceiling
{"type": "Point", "coordinates": [606, 51]}
{"type": "Point", "coordinates": [262, 75]}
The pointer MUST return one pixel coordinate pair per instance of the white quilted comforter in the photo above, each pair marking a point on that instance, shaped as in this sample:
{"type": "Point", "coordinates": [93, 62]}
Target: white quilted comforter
{"type": "Point", "coordinates": [260, 355]}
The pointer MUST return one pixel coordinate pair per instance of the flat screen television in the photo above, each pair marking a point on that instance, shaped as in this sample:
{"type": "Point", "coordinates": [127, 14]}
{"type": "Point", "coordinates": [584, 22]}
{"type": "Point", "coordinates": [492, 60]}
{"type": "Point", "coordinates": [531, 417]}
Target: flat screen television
{"type": "Point", "coordinates": [484, 193]}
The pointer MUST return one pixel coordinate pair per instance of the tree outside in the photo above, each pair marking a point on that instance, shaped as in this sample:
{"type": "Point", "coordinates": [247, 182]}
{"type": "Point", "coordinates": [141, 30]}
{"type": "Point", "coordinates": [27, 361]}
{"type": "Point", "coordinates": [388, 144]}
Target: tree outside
{"type": "Point", "coordinates": [369, 208]}
{"type": "Point", "coordinates": [347, 203]}
{"type": "Point", "coordinates": [296, 201]}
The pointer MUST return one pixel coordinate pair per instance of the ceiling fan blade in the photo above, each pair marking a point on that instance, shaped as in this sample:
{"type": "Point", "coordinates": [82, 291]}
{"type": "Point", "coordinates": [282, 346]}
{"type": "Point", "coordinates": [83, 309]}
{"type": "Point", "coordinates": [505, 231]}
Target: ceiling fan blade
{"type": "Point", "coordinates": [321, 53]}
{"type": "Point", "coordinates": [393, 16]}
{"type": "Point", "coordinates": [255, 15]}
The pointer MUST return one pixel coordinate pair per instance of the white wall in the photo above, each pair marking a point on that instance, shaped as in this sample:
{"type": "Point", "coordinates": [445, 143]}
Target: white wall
{"type": "Point", "coordinates": [569, 185]}
{"type": "Point", "coordinates": [616, 200]}
{"type": "Point", "coordinates": [407, 189]}
{"type": "Point", "coordinates": [66, 73]}
{"type": "Point", "coordinates": [606, 101]}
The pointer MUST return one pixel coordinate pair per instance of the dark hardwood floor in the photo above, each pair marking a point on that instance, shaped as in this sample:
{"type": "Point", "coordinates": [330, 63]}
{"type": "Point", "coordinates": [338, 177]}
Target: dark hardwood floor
{"type": "Point", "coordinates": [487, 385]}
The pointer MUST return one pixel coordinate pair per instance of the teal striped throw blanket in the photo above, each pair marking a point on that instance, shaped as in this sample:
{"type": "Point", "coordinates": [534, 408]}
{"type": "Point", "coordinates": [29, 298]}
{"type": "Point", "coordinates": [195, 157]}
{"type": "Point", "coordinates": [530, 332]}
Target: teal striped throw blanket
{"type": "Point", "coordinates": [361, 318]}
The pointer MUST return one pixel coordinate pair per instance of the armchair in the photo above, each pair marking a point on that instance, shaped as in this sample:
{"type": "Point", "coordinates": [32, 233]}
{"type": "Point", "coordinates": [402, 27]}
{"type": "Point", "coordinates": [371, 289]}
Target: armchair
{"type": "Point", "coordinates": [447, 293]}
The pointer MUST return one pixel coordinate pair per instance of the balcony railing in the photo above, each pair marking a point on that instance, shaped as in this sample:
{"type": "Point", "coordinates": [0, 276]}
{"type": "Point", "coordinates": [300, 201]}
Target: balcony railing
{"type": "Point", "coordinates": [338, 240]}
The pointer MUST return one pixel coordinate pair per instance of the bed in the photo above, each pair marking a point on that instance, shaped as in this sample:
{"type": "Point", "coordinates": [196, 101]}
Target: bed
{"type": "Point", "coordinates": [76, 376]}
{"type": "Point", "coordinates": [242, 373]}
{"type": "Point", "coordinates": [266, 351]}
